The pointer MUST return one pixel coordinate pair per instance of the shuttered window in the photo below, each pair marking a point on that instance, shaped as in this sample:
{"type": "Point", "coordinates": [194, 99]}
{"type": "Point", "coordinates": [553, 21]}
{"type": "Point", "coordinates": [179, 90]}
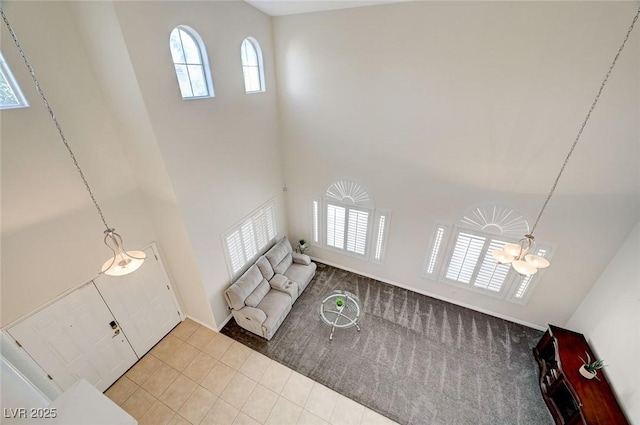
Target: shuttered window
{"type": "Point", "coordinates": [250, 237]}
{"type": "Point", "coordinates": [235, 252]}
{"type": "Point", "coordinates": [10, 94]}
{"type": "Point", "coordinates": [350, 222]}
{"type": "Point", "coordinates": [335, 226]}
{"type": "Point", "coordinates": [525, 283]}
{"type": "Point", "coordinates": [492, 275]}
{"type": "Point", "coordinates": [380, 237]}
{"type": "Point", "coordinates": [315, 221]}
{"type": "Point", "coordinates": [357, 231]}
{"type": "Point", "coordinates": [436, 245]}
{"type": "Point", "coordinates": [464, 257]}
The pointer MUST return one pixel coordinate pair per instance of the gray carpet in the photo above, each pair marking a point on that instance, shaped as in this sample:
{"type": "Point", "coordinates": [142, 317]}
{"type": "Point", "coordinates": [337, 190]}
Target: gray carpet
{"type": "Point", "coordinates": [417, 360]}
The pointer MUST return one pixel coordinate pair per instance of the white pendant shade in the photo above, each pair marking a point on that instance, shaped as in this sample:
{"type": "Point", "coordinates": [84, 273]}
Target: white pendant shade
{"type": "Point", "coordinates": [502, 257]}
{"type": "Point", "coordinates": [537, 261]}
{"type": "Point", "coordinates": [125, 263]}
{"type": "Point", "coordinates": [523, 267]}
{"type": "Point", "coordinates": [512, 249]}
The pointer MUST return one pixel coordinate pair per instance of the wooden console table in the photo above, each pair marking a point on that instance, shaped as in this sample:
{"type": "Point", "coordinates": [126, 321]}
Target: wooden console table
{"type": "Point", "coordinates": [571, 398]}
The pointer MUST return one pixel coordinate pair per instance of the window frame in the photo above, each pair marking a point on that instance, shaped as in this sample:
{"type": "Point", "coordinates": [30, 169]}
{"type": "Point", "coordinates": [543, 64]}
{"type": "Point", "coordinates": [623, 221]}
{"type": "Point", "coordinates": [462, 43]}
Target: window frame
{"type": "Point", "coordinates": [380, 236]}
{"type": "Point", "coordinates": [255, 45]}
{"type": "Point", "coordinates": [13, 86]}
{"type": "Point", "coordinates": [346, 229]}
{"type": "Point", "coordinates": [204, 62]}
{"type": "Point", "coordinates": [478, 222]}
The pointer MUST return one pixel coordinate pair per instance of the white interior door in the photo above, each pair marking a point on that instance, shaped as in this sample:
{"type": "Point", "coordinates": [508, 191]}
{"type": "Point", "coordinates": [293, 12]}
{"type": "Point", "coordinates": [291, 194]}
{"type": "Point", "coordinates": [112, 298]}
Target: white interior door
{"type": "Point", "coordinates": [73, 338]}
{"type": "Point", "coordinates": [143, 302]}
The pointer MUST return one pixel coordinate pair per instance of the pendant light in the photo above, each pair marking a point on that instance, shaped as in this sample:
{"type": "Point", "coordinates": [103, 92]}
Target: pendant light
{"type": "Point", "coordinates": [123, 262]}
{"type": "Point", "coordinates": [518, 255]}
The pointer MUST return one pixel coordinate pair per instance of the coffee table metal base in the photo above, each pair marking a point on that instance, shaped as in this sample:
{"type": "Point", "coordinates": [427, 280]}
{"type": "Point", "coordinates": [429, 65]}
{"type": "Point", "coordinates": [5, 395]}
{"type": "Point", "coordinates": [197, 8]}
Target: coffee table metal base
{"type": "Point", "coordinates": [341, 309]}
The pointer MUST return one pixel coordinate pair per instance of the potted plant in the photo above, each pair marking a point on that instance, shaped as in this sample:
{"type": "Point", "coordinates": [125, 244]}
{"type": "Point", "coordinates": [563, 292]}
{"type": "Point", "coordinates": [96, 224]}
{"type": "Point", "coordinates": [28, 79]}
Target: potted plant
{"type": "Point", "coordinates": [590, 368]}
{"type": "Point", "coordinates": [302, 246]}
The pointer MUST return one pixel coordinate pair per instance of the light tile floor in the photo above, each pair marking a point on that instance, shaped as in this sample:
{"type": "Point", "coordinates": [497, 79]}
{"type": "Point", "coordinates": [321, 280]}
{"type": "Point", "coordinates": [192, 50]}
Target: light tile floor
{"type": "Point", "coordinates": [195, 376]}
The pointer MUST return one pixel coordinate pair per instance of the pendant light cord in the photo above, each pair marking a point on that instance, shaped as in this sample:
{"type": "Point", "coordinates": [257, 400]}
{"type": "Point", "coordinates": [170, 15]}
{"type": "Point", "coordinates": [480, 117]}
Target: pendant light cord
{"type": "Point", "coordinates": [584, 123]}
{"type": "Point", "coordinates": [53, 117]}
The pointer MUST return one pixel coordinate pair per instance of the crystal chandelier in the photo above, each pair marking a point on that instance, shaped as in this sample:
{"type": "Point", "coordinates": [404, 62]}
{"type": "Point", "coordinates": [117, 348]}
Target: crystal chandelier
{"type": "Point", "coordinates": [123, 262]}
{"type": "Point", "coordinates": [518, 255]}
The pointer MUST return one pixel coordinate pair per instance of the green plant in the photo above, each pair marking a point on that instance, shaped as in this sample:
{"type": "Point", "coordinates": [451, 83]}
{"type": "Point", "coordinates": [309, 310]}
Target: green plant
{"type": "Point", "coordinates": [339, 302]}
{"type": "Point", "coordinates": [302, 242]}
{"type": "Point", "coordinates": [593, 366]}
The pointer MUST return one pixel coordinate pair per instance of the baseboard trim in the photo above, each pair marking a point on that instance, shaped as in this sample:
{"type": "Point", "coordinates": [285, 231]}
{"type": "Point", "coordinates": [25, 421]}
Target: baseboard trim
{"type": "Point", "coordinates": [437, 296]}
{"type": "Point", "coordinates": [203, 324]}
{"type": "Point", "coordinates": [224, 322]}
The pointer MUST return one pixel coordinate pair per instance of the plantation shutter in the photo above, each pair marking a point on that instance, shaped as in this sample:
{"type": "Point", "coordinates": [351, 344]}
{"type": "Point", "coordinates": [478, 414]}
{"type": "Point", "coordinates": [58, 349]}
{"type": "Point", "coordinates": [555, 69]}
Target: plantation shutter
{"type": "Point", "coordinates": [270, 214]}
{"type": "Point", "coordinates": [357, 231]}
{"type": "Point", "coordinates": [464, 258]}
{"type": "Point", "coordinates": [492, 274]}
{"type": "Point", "coordinates": [525, 282]}
{"type": "Point", "coordinates": [335, 226]}
{"type": "Point", "coordinates": [382, 223]}
{"type": "Point", "coordinates": [315, 220]}
{"type": "Point", "coordinates": [260, 227]}
{"type": "Point", "coordinates": [234, 248]}
{"type": "Point", "coordinates": [249, 239]}
{"type": "Point", "coordinates": [435, 249]}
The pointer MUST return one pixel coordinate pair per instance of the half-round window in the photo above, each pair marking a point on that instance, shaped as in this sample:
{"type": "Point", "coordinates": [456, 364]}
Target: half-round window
{"type": "Point", "coordinates": [495, 219]}
{"type": "Point", "coordinates": [252, 66]}
{"type": "Point", "coordinates": [191, 63]}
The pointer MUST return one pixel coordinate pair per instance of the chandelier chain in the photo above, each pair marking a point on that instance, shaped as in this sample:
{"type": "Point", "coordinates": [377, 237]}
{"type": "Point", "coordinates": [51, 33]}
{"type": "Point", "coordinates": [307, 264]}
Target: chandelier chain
{"type": "Point", "coordinates": [584, 123]}
{"type": "Point", "coordinates": [53, 116]}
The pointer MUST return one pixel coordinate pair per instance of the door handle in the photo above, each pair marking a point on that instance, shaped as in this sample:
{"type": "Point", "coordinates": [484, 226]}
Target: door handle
{"type": "Point", "coordinates": [116, 329]}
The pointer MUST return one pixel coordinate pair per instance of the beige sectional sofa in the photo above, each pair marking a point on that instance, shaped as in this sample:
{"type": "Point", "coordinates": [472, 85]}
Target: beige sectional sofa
{"type": "Point", "coordinates": [262, 297]}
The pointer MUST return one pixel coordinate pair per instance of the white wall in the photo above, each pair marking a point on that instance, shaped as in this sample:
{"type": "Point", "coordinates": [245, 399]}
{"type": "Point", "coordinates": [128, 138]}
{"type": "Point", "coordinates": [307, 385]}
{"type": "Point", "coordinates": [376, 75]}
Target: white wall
{"type": "Point", "coordinates": [438, 106]}
{"type": "Point", "coordinates": [100, 32]}
{"type": "Point", "coordinates": [609, 317]}
{"type": "Point", "coordinates": [222, 155]}
{"type": "Point", "coordinates": [51, 234]}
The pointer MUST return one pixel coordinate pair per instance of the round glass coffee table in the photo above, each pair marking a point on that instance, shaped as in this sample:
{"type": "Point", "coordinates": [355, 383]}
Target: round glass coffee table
{"type": "Point", "coordinates": [341, 309]}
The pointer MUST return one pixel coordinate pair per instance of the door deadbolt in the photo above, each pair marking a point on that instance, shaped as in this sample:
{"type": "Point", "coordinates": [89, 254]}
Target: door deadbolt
{"type": "Point", "coordinates": [113, 324]}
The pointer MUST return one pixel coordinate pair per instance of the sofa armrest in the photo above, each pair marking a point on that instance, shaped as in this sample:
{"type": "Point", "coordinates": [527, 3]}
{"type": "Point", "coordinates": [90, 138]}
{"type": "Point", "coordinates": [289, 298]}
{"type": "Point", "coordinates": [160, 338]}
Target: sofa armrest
{"type": "Point", "coordinates": [301, 258]}
{"type": "Point", "coordinates": [250, 318]}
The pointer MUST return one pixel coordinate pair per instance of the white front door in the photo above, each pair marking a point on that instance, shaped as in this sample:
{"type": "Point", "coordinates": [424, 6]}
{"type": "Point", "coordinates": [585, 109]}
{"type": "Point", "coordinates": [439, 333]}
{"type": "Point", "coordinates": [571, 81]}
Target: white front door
{"type": "Point", "coordinates": [143, 302]}
{"type": "Point", "coordinates": [74, 338]}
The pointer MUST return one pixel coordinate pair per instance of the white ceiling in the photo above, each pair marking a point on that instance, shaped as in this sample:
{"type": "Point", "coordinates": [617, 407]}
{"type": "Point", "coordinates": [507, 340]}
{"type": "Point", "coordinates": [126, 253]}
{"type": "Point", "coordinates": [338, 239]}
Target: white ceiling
{"type": "Point", "coordinates": [292, 7]}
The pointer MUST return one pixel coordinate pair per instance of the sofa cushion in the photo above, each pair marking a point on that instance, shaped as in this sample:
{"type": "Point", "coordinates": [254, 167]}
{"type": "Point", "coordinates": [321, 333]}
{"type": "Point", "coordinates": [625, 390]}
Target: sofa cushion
{"type": "Point", "coordinates": [276, 306]}
{"type": "Point", "coordinates": [280, 256]}
{"type": "Point", "coordinates": [265, 267]}
{"type": "Point", "coordinates": [258, 294]}
{"type": "Point", "coordinates": [243, 287]}
{"type": "Point", "coordinates": [301, 274]}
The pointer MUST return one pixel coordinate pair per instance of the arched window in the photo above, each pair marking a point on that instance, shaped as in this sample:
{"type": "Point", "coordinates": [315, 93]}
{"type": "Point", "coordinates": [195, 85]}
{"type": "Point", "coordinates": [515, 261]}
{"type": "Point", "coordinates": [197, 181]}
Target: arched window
{"type": "Point", "coordinates": [191, 63]}
{"type": "Point", "coordinates": [252, 67]}
{"type": "Point", "coordinates": [10, 94]}
{"type": "Point", "coordinates": [350, 222]}
{"type": "Point", "coordinates": [467, 259]}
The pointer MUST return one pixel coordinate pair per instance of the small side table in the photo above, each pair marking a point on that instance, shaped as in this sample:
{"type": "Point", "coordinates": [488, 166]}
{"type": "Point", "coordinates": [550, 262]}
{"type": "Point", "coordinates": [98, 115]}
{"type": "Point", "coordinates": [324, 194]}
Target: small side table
{"type": "Point", "coordinates": [341, 309]}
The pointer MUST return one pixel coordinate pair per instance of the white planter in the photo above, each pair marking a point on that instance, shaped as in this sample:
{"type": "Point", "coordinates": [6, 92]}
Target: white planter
{"type": "Point", "coordinates": [584, 372]}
